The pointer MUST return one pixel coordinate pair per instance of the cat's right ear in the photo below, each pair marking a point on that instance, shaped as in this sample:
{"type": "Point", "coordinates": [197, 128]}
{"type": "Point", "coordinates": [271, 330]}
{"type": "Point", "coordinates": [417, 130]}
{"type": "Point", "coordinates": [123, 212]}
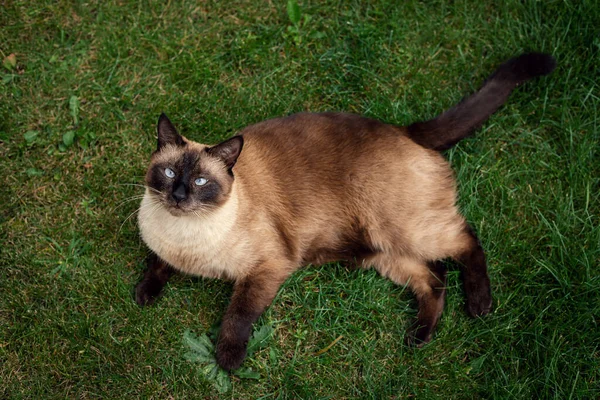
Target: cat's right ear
{"type": "Point", "coordinates": [167, 134]}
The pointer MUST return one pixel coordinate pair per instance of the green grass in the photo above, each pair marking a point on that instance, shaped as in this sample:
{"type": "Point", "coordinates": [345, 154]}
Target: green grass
{"type": "Point", "coordinates": [529, 183]}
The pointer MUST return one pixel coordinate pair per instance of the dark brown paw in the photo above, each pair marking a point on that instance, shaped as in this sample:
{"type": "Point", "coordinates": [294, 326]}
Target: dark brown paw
{"type": "Point", "coordinates": [479, 302]}
{"type": "Point", "coordinates": [230, 355]}
{"type": "Point", "coordinates": [419, 336]}
{"type": "Point", "coordinates": [147, 291]}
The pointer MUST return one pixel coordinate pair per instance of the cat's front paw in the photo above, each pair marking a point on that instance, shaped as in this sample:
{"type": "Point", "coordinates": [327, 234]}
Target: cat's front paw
{"type": "Point", "coordinates": [231, 354]}
{"type": "Point", "coordinates": [479, 301]}
{"type": "Point", "coordinates": [418, 336]}
{"type": "Point", "coordinates": [147, 291]}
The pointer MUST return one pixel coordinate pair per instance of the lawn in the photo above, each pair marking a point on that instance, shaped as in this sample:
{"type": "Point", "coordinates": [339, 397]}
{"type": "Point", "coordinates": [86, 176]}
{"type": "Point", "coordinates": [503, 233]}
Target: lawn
{"type": "Point", "coordinates": [81, 87]}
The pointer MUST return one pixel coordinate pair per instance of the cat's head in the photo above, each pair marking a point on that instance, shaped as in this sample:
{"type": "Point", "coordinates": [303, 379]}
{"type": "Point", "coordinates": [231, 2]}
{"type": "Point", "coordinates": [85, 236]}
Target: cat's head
{"type": "Point", "coordinates": [189, 177]}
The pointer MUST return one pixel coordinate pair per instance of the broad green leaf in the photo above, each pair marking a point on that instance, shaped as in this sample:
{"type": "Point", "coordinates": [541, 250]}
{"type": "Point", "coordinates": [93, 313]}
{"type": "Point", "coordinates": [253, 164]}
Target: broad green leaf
{"type": "Point", "coordinates": [202, 351]}
{"type": "Point", "coordinates": [8, 78]}
{"type": "Point", "coordinates": [259, 338]}
{"type": "Point", "coordinates": [293, 10]}
{"type": "Point", "coordinates": [195, 356]}
{"type": "Point", "coordinates": [272, 356]}
{"type": "Point", "coordinates": [210, 371]}
{"type": "Point", "coordinates": [201, 345]}
{"type": "Point", "coordinates": [246, 373]}
{"type": "Point", "coordinates": [34, 172]}
{"type": "Point", "coordinates": [68, 138]}
{"type": "Point", "coordinates": [74, 107]}
{"type": "Point", "coordinates": [30, 136]}
{"type": "Point", "coordinates": [222, 381]}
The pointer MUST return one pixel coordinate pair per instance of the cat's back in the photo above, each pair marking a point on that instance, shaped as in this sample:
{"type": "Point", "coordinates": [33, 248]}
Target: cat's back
{"type": "Point", "coordinates": [329, 149]}
{"type": "Point", "coordinates": [317, 133]}
{"type": "Point", "coordinates": [321, 144]}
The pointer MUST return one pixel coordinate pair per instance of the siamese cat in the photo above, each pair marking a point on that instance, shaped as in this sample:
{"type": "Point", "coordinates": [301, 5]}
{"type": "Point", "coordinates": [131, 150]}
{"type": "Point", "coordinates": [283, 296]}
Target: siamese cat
{"type": "Point", "coordinates": [314, 189]}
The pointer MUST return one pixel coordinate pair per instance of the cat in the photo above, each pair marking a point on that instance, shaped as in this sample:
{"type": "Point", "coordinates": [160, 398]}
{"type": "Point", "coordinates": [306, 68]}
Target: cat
{"type": "Point", "coordinates": [314, 188]}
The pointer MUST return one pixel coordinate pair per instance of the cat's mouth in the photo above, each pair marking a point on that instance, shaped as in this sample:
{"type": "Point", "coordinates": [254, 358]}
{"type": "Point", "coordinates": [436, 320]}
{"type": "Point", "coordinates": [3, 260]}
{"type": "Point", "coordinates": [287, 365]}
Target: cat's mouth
{"type": "Point", "coordinates": [185, 209]}
{"type": "Point", "coordinates": [193, 210]}
{"type": "Point", "coordinates": [177, 210]}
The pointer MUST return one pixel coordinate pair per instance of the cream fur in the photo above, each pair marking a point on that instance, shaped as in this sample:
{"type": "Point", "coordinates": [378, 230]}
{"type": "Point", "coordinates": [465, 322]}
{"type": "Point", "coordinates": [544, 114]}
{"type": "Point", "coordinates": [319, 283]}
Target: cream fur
{"type": "Point", "coordinates": [208, 244]}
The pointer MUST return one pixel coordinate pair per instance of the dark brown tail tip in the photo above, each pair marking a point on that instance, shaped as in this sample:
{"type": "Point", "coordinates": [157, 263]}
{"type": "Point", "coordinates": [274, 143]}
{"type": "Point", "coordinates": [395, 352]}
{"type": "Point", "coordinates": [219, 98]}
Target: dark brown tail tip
{"type": "Point", "coordinates": [526, 66]}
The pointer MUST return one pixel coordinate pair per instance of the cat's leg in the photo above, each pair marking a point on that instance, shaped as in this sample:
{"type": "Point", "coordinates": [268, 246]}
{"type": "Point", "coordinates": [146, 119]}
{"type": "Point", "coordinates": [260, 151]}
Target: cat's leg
{"type": "Point", "coordinates": [427, 280]}
{"type": "Point", "coordinates": [251, 296]}
{"type": "Point", "coordinates": [155, 277]}
{"type": "Point", "coordinates": [431, 298]}
{"type": "Point", "coordinates": [475, 278]}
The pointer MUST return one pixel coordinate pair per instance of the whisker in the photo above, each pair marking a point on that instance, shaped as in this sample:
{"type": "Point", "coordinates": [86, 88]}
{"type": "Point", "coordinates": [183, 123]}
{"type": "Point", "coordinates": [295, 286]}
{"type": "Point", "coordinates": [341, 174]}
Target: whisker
{"type": "Point", "coordinates": [126, 219]}
{"type": "Point", "coordinates": [204, 208]}
{"type": "Point", "coordinates": [127, 200]}
{"type": "Point", "coordinates": [142, 186]}
{"type": "Point", "coordinates": [155, 209]}
{"type": "Point", "coordinates": [156, 205]}
{"type": "Point", "coordinates": [131, 184]}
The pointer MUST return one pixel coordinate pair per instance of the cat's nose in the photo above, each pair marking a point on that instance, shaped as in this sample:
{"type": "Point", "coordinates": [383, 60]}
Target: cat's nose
{"type": "Point", "coordinates": [180, 193]}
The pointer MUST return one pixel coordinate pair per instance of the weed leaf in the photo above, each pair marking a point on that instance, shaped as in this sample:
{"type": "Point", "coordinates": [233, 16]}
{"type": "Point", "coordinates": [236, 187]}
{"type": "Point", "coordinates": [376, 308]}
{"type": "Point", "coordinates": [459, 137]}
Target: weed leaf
{"type": "Point", "coordinates": [30, 136]}
{"type": "Point", "coordinates": [74, 107]}
{"type": "Point", "coordinates": [210, 371]}
{"type": "Point", "coordinates": [8, 78]}
{"type": "Point", "coordinates": [202, 351]}
{"type": "Point", "coordinates": [202, 346]}
{"type": "Point", "coordinates": [199, 357]}
{"type": "Point", "coordinates": [293, 11]}
{"type": "Point", "coordinates": [272, 356]}
{"type": "Point", "coordinates": [246, 373]}
{"type": "Point", "coordinates": [222, 381]}
{"type": "Point", "coordinates": [68, 138]}
{"type": "Point", "coordinates": [259, 338]}
{"type": "Point", "coordinates": [34, 172]}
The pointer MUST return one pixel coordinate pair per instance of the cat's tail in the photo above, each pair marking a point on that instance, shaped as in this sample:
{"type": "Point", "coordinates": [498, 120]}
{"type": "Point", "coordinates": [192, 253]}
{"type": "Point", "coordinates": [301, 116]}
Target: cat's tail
{"type": "Point", "coordinates": [460, 121]}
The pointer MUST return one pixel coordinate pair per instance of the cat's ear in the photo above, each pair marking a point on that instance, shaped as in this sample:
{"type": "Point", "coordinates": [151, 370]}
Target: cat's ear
{"type": "Point", "coordinates": [228, 151]}
{"type": "Point", "coordinates": [167, 134]}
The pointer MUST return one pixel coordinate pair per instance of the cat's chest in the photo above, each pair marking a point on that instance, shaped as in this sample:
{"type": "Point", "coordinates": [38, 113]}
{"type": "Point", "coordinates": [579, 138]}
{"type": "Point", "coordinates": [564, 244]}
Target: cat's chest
{"type": "Point", "coordinates": [208, 245]}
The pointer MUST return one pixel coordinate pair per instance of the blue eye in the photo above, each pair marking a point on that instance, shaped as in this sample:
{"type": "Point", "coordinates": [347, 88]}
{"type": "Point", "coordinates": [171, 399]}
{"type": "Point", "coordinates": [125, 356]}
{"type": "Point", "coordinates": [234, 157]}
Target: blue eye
{"type": "Point", "coordinates": [200, 181]}
{"type": "Point", "coordinates": [169, 172]}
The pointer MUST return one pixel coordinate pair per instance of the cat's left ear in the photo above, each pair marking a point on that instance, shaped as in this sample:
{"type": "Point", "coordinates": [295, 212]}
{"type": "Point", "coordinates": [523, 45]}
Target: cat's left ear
{"type": "Point", "coordinates": [167, 134]}
{"type": "Point", "coordinates": [228, 151]}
